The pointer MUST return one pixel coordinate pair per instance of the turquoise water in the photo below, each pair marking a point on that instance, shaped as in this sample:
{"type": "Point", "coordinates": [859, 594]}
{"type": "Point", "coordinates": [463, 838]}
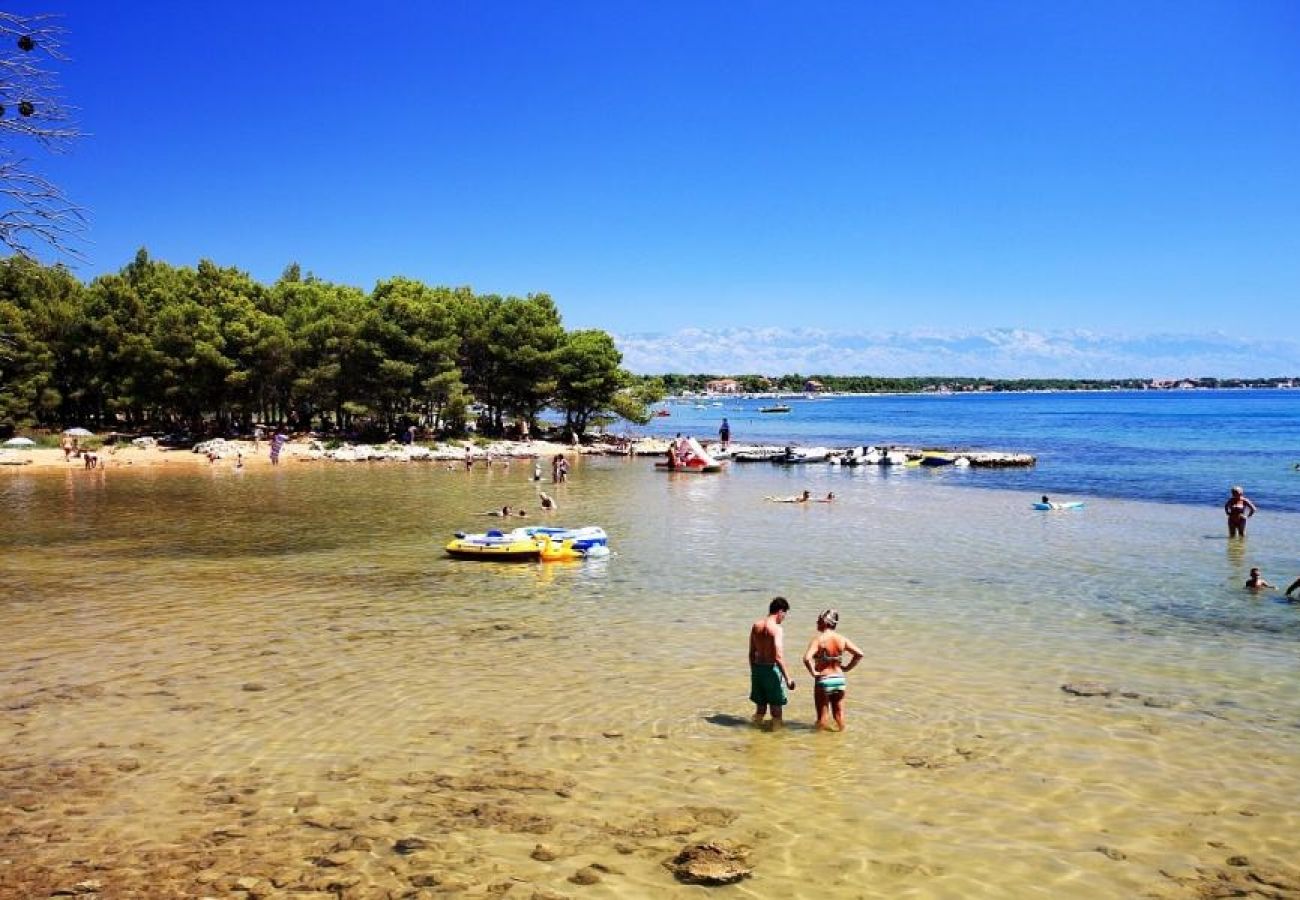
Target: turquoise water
{"type": "Point", "coordinates": [1167, 446]}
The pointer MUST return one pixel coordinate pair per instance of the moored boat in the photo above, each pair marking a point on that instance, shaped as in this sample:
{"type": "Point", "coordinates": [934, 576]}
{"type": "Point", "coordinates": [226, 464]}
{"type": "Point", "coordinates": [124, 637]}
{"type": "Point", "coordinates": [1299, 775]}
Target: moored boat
{"type": "Point", "coordinates": [755, 453]}
{"type": "Point", "coordinates": [775, 408]}
{"type": "Point", "coordinates": [861, 456]}
{"type": "Point", "coordinates": [796, 455]}
{"type": "Point", "coordinates": [932, 459]}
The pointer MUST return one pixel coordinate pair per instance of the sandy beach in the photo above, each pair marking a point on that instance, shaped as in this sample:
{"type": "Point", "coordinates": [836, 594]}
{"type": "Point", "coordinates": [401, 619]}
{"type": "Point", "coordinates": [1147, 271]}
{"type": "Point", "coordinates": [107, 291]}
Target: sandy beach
{"type": "Point", "coordinates": [125, 456]}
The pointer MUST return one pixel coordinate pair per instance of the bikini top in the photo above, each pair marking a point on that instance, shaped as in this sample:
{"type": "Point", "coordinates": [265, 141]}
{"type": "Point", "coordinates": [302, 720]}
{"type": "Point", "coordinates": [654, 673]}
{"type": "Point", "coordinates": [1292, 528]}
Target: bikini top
{"type": "Point", "coordinates": [825, 656]}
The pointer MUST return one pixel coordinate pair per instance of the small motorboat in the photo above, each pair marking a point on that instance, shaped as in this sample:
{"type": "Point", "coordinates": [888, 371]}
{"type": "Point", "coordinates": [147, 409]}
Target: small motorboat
{"type": "Point", "coordinates": [938, 459]}
{"type": "Point", "coordinates": [663, 412]}
{"type": "Point", "coordinates": [775, 408]}
{"type": "Point", "coordinates": [796, 455]}
{"type": "Point", "coordinates": [755, 453]}
{"type": "Point", "coordinates": [860, 456]}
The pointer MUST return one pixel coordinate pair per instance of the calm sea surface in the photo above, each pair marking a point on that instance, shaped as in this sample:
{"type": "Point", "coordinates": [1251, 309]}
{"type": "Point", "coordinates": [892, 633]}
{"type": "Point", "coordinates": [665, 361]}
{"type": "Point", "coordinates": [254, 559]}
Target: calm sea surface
{"type": "Point", "coordinates": [276, 673]}
{"type": "Point", "coordinates": [1170, 446]}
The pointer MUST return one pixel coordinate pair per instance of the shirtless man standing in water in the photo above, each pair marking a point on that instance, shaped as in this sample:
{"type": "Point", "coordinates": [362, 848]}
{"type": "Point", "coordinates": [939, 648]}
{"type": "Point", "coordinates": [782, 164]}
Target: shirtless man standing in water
{"type": "Point", "coordinates": [768, 678]}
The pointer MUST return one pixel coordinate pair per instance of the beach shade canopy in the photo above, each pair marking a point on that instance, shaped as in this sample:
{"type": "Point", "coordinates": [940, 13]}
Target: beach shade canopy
{"type": "Point", "coordinates": [20, 442]}
{"type": "Point", "coordinates": [78, 432]}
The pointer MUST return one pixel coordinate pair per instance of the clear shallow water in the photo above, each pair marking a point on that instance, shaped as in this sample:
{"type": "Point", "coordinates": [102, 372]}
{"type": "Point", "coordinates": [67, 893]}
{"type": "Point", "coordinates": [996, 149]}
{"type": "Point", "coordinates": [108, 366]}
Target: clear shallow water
{"type": "Point", "coordinates": [192, 637]}
{"type": "Point", "coordinates": [1168, 446]}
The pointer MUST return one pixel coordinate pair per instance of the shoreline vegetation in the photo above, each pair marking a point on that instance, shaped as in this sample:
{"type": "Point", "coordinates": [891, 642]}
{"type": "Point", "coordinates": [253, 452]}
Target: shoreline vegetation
{"type": "Point", "coordinates": [211, 351]}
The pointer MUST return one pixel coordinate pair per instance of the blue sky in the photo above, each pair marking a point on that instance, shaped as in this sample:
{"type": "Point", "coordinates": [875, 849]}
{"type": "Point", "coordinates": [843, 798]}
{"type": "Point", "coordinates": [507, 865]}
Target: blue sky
{"type": "Point", "coordinates": [1120, 170]}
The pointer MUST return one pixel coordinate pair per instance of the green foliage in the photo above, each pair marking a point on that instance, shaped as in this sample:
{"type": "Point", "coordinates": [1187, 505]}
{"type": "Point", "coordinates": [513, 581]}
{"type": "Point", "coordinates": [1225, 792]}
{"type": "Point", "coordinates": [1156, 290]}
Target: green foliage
{"type": "Point", "coordinates": [589, 379]}
{"type": "Point", "coordinates": [207, 348]}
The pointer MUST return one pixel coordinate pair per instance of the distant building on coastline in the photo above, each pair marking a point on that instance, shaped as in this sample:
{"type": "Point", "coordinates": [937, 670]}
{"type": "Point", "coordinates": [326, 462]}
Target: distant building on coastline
{"type": "Point", "coordinates": [813, 386]}
{"type": "Point", "coordinates": [723, 386]}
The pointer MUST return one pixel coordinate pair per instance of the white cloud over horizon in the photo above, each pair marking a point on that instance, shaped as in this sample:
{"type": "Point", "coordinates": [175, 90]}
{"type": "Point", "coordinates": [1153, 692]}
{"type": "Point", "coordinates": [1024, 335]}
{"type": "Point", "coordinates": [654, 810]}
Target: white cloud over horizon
{"type": "Point", "coordinates": [990, 353]}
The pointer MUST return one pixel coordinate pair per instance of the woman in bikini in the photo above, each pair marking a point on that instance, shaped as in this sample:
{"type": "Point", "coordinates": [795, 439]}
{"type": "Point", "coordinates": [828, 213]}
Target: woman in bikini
{"type": "Point", "coordinates": [824, 661]}
{"type": "Point", "coordinates": [1239, 509]}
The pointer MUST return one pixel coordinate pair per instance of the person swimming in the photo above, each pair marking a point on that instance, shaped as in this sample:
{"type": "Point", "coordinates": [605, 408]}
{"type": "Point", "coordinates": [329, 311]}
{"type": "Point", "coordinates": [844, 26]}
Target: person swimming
{"type": "Point", "coordinates": [797, 498]}
{"type": "Point", "coordinates": [1256, 582]}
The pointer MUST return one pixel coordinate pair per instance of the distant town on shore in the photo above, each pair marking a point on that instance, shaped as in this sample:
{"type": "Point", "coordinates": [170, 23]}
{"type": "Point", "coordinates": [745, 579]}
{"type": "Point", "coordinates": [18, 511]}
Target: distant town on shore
{"type": "Point", "coordinates": [676, 385]}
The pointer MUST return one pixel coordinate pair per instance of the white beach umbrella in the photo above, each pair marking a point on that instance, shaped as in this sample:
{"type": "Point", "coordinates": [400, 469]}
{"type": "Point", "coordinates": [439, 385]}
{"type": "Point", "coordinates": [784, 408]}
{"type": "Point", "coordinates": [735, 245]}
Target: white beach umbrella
{"type": "Point", "coordinates": [78, 432]}
{"type": "Point", "coordinates": [20, 442]}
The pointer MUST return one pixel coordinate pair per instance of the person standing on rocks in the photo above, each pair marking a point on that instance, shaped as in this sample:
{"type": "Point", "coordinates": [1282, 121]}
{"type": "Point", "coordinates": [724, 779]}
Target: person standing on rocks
{"type": "Point", "coordinates": [724, 433]}
{"type": "Point", "coordinates": [824, 660]}
{"type": "Point", "coordinates": [768, 678]}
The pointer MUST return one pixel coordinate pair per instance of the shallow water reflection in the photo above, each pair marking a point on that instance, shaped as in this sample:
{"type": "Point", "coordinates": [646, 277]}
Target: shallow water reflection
{"type": "Point", "coordinates": [286, 658]}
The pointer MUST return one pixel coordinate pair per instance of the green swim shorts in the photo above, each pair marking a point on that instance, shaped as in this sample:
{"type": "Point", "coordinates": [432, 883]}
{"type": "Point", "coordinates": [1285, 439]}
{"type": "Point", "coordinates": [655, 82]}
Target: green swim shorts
{"type": "Point", "coordinates": [766, 686]}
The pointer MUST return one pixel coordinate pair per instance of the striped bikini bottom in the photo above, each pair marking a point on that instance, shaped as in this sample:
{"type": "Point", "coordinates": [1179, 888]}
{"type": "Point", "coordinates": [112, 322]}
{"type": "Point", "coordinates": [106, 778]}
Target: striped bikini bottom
{"type": "Point", "coordinates": [831, 684]}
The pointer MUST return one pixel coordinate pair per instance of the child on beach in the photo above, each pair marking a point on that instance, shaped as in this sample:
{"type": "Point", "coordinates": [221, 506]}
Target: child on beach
{"type": "Point", "coordinates": [824, 661]}
{"type": "Point", "coordinates": [1256, 582]}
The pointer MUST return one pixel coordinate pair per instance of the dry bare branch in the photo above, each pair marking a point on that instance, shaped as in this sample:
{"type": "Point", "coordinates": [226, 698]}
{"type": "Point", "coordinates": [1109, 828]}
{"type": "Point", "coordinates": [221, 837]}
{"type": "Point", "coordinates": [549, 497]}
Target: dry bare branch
{"type": "Point", "coordinates": [34, 212]}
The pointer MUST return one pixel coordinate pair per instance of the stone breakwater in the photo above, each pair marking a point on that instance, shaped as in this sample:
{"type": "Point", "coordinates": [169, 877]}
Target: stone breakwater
{"type": "Point", "coordinates": [769, 452]}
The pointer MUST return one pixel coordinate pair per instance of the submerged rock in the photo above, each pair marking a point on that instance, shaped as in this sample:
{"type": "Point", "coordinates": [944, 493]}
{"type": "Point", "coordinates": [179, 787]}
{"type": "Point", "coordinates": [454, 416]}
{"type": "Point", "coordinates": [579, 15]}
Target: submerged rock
{"type": "Point", "coordinates": [586, 875]}
{"type": "Point", "coordinates": [1087, 689]}
{"type": "Point", "coordinates": [410, 844]}
{"type": "Point", "coordinates": [712, 863]}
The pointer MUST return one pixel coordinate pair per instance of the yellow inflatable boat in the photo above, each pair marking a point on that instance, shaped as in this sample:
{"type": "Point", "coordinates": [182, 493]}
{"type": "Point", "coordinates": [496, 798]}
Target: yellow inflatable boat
{"type": "Point", "coordinates": [504, 547]}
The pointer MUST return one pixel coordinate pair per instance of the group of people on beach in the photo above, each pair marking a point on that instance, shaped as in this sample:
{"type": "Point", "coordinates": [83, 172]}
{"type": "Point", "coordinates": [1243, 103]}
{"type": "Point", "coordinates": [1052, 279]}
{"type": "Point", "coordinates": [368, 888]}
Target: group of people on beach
{"type": "Point", "coordinates": [770, 680]}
